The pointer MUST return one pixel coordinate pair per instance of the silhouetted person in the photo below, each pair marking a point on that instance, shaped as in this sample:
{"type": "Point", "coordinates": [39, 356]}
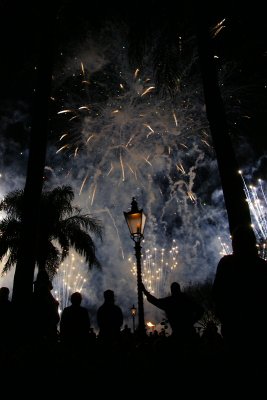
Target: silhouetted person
{"type": "Point", "coordinates": [181, 310]}
{"type": "Point", "coordinates": [240, 296]}
{"type": "Point", "coordinates": [45, 315]}
{"type": "Point", "coordinates": [92, 335]}
{"type": "Point", "coordinates": [109, 318]}
{"type": "Point", "coordinates": [75, 322]}
{"type": "Point", "coordinates": [212, 342]}
{"type": "Point", "coordinates": [181, 347]}
{"type": "Point", "coordinates": [126, 330]}
{"type": "Point", "coordinates": [127, 338]}
{"type": "Point", "coordinates": [6, 318]}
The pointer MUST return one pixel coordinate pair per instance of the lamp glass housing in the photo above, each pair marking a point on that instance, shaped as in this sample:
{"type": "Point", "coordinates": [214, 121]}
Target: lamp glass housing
{"type": "Point", "coordinates": [133, 311]}
{"type": "Point", "coordinates": [136, 223]}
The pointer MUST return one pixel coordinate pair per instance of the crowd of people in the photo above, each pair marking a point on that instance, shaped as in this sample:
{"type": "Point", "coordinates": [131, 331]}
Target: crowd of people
{"type": "Point", "coordinates": [240, 299]}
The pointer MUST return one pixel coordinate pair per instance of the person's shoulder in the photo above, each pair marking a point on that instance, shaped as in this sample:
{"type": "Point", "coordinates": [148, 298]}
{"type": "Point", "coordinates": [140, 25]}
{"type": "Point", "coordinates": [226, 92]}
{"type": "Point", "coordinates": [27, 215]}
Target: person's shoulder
{"type": "Point", "coordinates": [100, 308]}
{"type": "Point", "coordinates": [66, 309]}
{"type": "Point", "coordinates": [225, 261]}
{"type": "Point", "coordinates": [227, 258]}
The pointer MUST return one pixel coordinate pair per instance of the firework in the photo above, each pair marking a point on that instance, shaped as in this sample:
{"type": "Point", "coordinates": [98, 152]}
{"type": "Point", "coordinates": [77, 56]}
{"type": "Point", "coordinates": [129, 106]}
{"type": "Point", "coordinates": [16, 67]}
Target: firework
{"type": "Point", "coordinates": [159, 268]}
{"type": "Point", "coordinates": [256, 198]}
{"type": "Point", "coordinates": [257, 202]}
{"type": "Point", "coordinates": [115, 138]}
{"type": "Point", "coordinates": [70, 278]}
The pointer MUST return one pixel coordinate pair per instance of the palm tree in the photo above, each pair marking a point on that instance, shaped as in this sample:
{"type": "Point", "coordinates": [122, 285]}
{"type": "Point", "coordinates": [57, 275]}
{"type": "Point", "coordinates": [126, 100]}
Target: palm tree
{"type": "Point", "coordinates": [61, 226]}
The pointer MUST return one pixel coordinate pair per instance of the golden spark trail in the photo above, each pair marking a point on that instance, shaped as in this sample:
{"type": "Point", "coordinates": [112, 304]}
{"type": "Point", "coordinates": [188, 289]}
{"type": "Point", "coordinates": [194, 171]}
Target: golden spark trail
{"type": "Point", "coordinates": [111, 168]}
{"type": "Point", "coordinates": [191, 196]}
{"type": "Point", "coordinates": [175, 119]}
{"type": "Point", "coordinates": [65, 111]}
{"type": "Point", "coordinates": [148, 90]}
{"type": "Point", "coordinates": [83, 183]}
{"type": "Point", "coordinates": [93, 195]}
{"type": "Point", "coordinates": [205, 142]}
{"type": "Point", "coordinates": [75, 116]}
{"type": "Point", "coordinates": [122, 168]}
{"type": "Point", "coordinates": [61, 148]}
{"type": "Point", "coordinates": [136, 72]}
{"type": "Point", "coordinates": [90, 137]}
{"type": "Point", "coordinates": [180, 168]}
{"type": "Point", "coordinates": [146, 160]}
{"type": "Point", "coordinates": [130, 168]}
{"type": "Point", "coordinates": [129, 141]}
{"type": "Point", "coordinates": [82, 67]}
{"type": "Point", "coordinates": [149, 127]}
{"type": "Point", "coordinates": [217, 28]}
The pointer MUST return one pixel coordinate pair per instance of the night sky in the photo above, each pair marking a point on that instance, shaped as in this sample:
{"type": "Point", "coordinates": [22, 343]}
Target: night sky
{"type": "Point", "coordinates": [122, 136]}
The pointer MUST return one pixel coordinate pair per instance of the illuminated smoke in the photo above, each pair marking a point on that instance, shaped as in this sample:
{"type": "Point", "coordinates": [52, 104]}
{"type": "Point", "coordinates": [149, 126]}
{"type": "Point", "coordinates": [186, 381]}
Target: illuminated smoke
{"type": "Point", "coordinates": [113, 137]}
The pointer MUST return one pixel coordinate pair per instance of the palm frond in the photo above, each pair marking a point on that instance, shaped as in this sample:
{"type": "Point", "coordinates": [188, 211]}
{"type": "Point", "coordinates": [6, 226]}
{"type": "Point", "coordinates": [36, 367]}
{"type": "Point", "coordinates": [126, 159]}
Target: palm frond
{"type": "Point", "coordinates": [9, 227]}
{"type": "Point", "coordinates": [53, 260]}
{"type": "Point", "coordinates": [12, 257]}
{"type": "Point", "coordinates": [9, 239]}
{"type": "Point", "coordinates": [85, 221]}
{"type": "Point", "coordinates": [82, 242]}
{"type": "Point", "coordinates": [58, 200]}
{"type": "Point", "coordinates": [59, 220]}
{"type": "Point", "coordinates": [12, 204]}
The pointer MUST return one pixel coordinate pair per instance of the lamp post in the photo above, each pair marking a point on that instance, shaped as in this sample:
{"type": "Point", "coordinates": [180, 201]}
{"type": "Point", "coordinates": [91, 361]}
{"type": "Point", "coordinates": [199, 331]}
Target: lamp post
{"type": "Point", "coordinates": [133, 314]}
{"type": "Point", "coordinates": [136, 223]}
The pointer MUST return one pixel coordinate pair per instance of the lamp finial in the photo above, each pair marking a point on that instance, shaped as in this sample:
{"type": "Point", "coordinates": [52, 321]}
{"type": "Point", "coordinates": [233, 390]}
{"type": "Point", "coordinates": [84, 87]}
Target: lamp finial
{"type": "Point", "coordinates": [134, 205]}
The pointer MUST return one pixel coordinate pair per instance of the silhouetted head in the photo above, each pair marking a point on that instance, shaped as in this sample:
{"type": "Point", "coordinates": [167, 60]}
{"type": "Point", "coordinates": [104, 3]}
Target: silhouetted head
{"type": "Point", "coordinates": [76, 298]}
{"type": "Point", "coordinates": [4, 293]}
{"type": "Point", "coordinates": [175, 288]}
{"type": "Point", "coordinates": [109, 296]}
{"type": "Point", "coordinates": [244, 241]}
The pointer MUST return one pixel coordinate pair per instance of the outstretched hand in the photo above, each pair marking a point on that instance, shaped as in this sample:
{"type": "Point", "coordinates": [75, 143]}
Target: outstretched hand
{"type": "Point", "coordinates": [143, 288]}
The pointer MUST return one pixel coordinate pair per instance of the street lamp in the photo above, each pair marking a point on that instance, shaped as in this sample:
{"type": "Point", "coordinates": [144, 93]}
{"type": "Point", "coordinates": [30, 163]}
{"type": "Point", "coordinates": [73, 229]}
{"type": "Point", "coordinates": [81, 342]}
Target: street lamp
{"type": "Point", "coordinates": [133, 314]}
{"type": "Point", "coordinates": [136, 223]}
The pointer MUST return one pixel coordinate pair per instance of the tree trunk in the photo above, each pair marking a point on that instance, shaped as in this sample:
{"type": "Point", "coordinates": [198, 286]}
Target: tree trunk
{"type": "Point", "coordinates": [232, 185]}
{"type": "Point", "coordinates": [24, 272]}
